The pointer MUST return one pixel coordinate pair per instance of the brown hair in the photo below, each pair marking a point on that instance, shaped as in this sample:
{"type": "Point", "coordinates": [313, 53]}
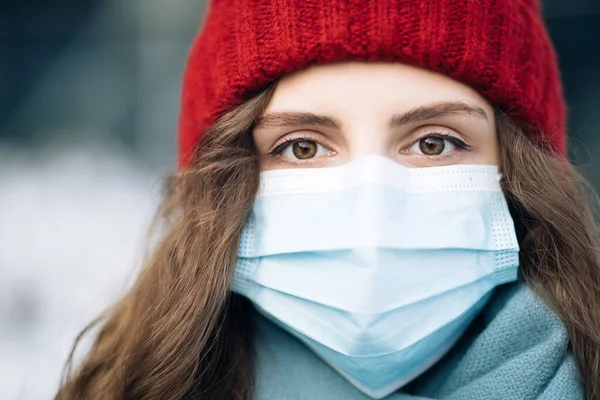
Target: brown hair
{"type": "Point", "coordinates": [180, 333]}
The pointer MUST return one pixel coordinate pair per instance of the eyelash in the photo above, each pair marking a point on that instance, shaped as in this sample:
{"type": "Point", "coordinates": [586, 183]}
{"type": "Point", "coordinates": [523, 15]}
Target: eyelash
{"type": "Point", "coordinates": [461, 145]}
{"type": "Point", "coordinates": [290, 141]}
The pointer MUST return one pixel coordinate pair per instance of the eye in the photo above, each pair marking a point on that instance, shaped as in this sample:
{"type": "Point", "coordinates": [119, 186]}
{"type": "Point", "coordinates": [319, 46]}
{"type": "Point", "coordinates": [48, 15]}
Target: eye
{"type": "Point", "coordinates": [304, 150]}
{"type": "Point", "coordinates": [300, 149]}
{"type": "Point", "coordinates": [435, 145]}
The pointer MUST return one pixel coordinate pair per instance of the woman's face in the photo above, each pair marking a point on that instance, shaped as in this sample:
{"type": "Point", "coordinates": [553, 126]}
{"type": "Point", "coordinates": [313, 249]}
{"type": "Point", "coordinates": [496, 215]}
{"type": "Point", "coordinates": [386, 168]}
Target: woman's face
{"type": "Point", "coordinates": [331, 114]}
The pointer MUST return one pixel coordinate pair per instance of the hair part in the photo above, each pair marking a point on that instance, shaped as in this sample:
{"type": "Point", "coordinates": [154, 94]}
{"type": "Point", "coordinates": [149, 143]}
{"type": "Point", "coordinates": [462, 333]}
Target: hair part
{"type": "Point", "coordinates": [181, 334]}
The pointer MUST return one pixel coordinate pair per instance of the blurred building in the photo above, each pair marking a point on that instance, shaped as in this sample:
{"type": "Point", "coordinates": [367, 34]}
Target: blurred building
{"type": "Point", "coordinates": [73, 70]}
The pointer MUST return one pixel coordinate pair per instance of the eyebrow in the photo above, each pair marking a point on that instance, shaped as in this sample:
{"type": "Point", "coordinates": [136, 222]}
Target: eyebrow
{"type": "Point", "coordinates": [416, 115]}
{"type": "Point", "coordinates": [436, 110]}
{"type": "Point", "coordinates": [283, 119]}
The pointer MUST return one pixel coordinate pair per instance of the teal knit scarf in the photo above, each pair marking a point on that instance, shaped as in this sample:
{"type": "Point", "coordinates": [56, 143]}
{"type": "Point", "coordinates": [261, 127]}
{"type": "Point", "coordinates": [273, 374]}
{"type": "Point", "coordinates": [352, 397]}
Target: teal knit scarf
{"type": "Point", "coordinates": [516, 349]}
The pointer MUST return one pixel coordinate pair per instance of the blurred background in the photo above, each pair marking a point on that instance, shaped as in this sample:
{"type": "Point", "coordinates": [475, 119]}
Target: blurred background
{"type": "Point", "coordinates": [89, 95]}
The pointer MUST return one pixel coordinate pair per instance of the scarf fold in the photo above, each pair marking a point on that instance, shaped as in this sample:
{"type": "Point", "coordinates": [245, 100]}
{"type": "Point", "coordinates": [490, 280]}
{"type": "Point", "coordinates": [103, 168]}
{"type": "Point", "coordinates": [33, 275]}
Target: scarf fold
{"type": "Point", "coordinates": [516, 349]}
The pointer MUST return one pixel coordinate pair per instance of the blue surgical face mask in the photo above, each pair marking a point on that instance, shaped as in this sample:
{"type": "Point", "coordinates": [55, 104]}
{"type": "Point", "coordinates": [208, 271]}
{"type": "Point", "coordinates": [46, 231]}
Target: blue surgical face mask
{"type": "Point", "coordinates": [377, 267]}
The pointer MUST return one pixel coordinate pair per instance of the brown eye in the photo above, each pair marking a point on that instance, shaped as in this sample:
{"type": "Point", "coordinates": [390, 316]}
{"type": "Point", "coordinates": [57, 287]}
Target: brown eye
{"type": "Point", "coordinates": [300, 150]}
{"type": "Point", "coordinates": [432, 146]}
{"type": "Point", "coordinates": [304, 150]}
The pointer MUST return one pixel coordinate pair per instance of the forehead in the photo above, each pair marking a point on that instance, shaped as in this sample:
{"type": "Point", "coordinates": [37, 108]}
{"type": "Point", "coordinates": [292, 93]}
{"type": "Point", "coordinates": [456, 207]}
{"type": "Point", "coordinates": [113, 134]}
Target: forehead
{"type": "Point", "coordinates": [350, 87]}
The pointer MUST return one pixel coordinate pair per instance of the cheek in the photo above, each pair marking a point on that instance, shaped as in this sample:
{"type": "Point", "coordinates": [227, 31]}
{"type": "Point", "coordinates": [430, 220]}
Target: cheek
{"type": "Point", "coordinates": [267, 163]}
{"type": "Point", "coordinates": [492, 157]}
{"type": "Point", "coordinates": [486, 152]}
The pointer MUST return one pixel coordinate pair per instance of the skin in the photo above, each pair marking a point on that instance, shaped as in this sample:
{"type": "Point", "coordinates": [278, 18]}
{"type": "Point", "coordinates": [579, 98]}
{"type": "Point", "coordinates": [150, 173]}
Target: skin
{"type": "Point", "coordinates": [330, 114]}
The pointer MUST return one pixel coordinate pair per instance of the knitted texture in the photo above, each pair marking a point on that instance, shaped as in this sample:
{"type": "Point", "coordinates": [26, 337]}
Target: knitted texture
{"type": "Point", "coordinates": [498, 47]}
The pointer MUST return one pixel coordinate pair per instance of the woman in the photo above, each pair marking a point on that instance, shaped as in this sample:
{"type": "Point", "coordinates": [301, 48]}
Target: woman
{"type": "Point", "coordinates": [372, 202]}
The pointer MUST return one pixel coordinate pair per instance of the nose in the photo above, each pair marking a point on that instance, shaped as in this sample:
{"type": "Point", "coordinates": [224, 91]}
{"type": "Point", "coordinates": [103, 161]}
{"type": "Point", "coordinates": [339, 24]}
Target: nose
{"type": "Point", "coordinates": [368, 139]}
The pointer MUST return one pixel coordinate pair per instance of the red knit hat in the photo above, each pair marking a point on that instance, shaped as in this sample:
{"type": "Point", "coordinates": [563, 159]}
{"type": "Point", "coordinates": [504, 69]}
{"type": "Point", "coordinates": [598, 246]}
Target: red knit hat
{"type": "Point", "coordinates": [498, 47]}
